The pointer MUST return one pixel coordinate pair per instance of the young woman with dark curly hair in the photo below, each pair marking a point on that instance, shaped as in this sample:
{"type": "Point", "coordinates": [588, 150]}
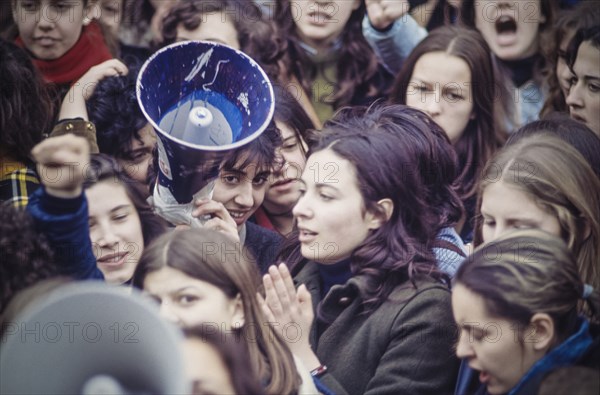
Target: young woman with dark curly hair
{"type": "Point", "coordinates": [367, 230]}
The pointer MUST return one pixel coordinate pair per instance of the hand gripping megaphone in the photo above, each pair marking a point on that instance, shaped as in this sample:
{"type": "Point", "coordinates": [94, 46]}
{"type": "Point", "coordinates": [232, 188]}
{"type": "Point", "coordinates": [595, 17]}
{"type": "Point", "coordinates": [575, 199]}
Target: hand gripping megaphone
{"type": "Point", "coordinates": [91, 338]}
{"type": "Point", "coordinates": [203, 100]}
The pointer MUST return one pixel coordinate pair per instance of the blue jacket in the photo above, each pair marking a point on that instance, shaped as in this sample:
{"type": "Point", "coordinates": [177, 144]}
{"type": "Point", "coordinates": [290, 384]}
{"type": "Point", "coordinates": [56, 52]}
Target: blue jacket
{"type": "Point", "coordinates": [65, 224]}
{"type": "Point", "coordinates": [581, 349]}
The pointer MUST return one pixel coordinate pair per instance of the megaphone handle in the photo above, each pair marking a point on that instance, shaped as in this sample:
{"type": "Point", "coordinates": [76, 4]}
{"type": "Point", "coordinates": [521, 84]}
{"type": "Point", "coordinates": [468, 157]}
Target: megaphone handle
{"type": "Point", "coordinates": [205, 193]}
{"type": "Point", "coordinates": [165, 205]}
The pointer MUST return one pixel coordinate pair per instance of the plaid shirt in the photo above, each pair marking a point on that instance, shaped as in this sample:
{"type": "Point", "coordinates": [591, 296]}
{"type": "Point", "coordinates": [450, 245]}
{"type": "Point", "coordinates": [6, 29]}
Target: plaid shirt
{"type": "Point", "coordinates": [17, 182]}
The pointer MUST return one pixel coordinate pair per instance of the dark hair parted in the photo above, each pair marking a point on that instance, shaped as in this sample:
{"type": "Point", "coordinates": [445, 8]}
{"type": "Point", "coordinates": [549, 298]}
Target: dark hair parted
{"type": "Point", "coordinates": [586, 14]}
{"type": "Point", "coordinates": [115, 111]}
{"type": "Point", "coordinates": [486, 132]}
{"type": "Point", "coordinates": [104, 168]}
{"type": "Point", "coordinates": [234, 356]}
{"type": "Point", "coordinates": [577, 134]}
{"type": "Point", "coordinates": [256, 34]}
{"type": "Point", "coordinates": [212, 257]}
{"type": "Point", "coordinates": [27, 256]}
{"type": "Point", "coordinates": [26, 107]}
{"type": "Point", "coordinates": [357, 65]}
{"type": "Point", "coordinates": [591, 34]}
{"type": "Point", "coordinates": [527, 272]}
{"type": "Point", "coordinates": [398, 154]}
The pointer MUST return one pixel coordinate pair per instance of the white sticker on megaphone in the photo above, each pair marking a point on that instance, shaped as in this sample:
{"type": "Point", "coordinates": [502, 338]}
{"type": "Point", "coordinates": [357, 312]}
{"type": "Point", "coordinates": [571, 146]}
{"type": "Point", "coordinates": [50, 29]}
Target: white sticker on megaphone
{"type": "Point", "coordinates": [163, 161]}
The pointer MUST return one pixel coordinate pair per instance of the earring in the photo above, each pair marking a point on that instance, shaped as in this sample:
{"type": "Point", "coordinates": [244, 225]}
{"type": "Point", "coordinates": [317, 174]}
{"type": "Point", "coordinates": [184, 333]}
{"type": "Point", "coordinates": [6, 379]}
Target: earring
{"type": "Point", "coordinates": [86, 21]}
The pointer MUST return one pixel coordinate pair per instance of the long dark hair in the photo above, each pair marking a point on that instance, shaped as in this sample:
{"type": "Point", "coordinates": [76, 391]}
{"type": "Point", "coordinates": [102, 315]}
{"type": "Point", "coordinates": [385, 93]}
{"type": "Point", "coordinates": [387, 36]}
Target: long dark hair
{"type": "Point", "coordinates": [26, 107]}
{"type": "Point", "coordinates": [485, 133]}
{"type": "Point", "coordinates": [357, 64]}
{"type": "Point", "coordinates": [585, 15]}
{"type": "Point", "coordinates": [398, 154]}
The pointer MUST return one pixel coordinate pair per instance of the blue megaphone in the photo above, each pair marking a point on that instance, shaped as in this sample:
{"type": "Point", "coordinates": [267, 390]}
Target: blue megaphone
{"type": "Point", "coordinates": [204, 100]}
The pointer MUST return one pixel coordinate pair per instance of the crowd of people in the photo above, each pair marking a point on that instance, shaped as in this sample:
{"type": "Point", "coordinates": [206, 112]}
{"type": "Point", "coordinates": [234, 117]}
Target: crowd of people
{"type": "Point", "coordinates": [420, 216]}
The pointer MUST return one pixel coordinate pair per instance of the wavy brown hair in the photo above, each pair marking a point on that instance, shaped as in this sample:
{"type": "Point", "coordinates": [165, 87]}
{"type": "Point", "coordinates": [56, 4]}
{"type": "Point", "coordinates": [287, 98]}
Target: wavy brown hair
{"type": "Point", "coordinates": [401, 155]}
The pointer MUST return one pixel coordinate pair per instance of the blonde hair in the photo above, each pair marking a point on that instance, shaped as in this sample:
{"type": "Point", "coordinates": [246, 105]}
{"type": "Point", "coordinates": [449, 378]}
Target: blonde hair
{"type": "Point", "coordinates": [560, 181]}
{"type": "Point", "coordinates": [525, 272]}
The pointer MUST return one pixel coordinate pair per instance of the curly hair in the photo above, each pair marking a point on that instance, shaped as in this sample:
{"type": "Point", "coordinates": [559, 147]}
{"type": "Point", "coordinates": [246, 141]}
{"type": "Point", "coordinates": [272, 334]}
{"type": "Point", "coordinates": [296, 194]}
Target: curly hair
{"type": "Point", "coordinates": [357, 65]}
{"type": "Point", "coordinates": [26, 107]}
{"type": "Point", "coordinates": [257, 36]}
{"type": "Point", "coordinates": [27, 256]}
{"type": "Point", "coordinates": [420, 184]}
{"type": "Point", "coordinates": [115, 111]}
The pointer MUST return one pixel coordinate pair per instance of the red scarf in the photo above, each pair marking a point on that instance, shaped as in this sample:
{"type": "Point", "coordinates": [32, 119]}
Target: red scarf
{"type": "Point", "coordinates": [87, 52]}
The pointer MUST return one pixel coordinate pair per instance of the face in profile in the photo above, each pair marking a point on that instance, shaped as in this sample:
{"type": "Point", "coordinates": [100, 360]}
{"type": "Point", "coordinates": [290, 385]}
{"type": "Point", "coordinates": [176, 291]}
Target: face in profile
{"type": "Point", "coordinates": [441, 87]}
{"type": "Point", "coordinates": [214, 27]}
{"type": "Point", "coordinates": [332, 220]}
{"type": "Point", "coordinates": [505, 208]}
{"type": "Point", "coordinates": [115, 230]}
{"type": "Point", "coordinates": [241, 190]}
{"type": "Point", "coordinates": [320, 23]}
{"type": "Point", "coordinates": [50, 28]}
{"type": "Point", "coordinates": [490, 345]}
{"type": "Point", "coordinates": [187, 301]}
{"type": "Point", "coordinates": [284, 191]}
{"type": "Point", "coordinates": [584, 94]}
{"type": "Point", "coordinates": [511, 28]}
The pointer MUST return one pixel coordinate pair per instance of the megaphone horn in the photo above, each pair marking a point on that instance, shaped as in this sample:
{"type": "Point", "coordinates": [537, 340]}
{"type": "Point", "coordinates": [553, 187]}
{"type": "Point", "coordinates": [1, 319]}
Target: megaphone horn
{"type": "Point", "coordinates": [91, 338]}
{"type": "Point", "coordinates": [204, 100]}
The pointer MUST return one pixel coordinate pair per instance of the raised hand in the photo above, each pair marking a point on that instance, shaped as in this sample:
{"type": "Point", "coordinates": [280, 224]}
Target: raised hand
{"type": "Point", "coordinates": [61, 164]}
{"type": "Point", "coordinates": [73, 105]}
{"type": "Point", "coordinates": [382, 13]}
{"type": "Point", "coordinates": [284, 305]}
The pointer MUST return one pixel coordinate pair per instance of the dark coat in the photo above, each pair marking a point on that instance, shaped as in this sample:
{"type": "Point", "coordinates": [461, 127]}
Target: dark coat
{"type": "Point", "coordinates": [263, 245]}
{"type": "Point", "coordinates": [405, 346]}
